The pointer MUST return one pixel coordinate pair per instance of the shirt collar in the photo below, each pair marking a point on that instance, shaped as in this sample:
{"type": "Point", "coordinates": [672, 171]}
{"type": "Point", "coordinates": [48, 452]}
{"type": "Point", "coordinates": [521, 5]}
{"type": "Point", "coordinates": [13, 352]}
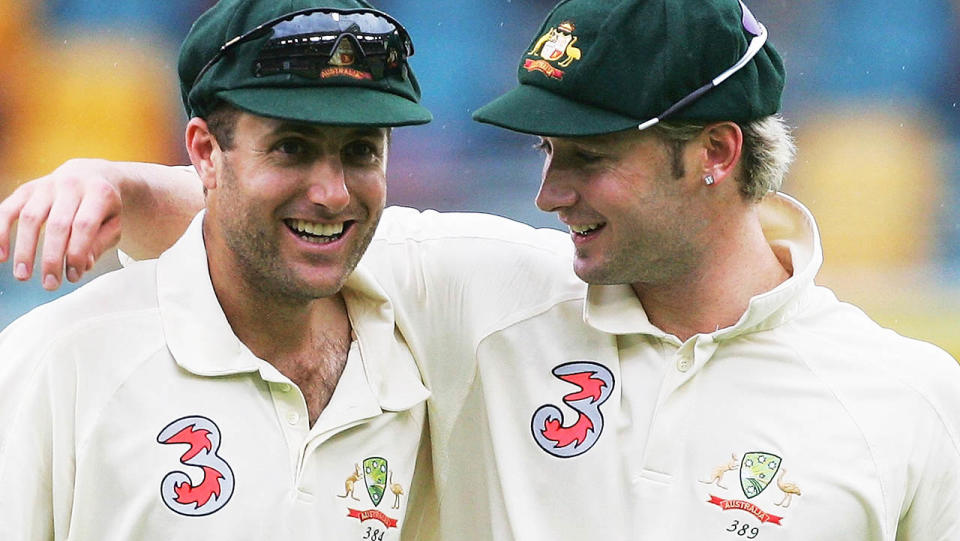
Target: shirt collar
{"type": "Point", "coordinates": [202, 342]}
{"type": "Point", "coordinates": [791, 231]}
{"type": "Point", "coordinates": [388, 363]}
{"type": "Point", "coordinates": [196, 329]}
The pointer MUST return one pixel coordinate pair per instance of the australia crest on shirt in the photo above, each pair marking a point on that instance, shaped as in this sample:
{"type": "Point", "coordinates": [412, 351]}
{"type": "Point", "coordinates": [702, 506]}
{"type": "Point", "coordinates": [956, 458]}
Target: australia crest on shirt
{"type": "Point", "coordinates": [367, 489]}
{"type": "Point", "coordinates": [757, 495]}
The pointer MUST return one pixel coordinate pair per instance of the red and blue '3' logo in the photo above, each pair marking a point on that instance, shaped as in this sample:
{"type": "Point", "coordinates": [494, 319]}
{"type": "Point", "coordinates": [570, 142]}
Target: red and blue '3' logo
{"type": "Point", "coordinates": [177, 490]}
{"type": "Point", "coordinates": [565, 441]}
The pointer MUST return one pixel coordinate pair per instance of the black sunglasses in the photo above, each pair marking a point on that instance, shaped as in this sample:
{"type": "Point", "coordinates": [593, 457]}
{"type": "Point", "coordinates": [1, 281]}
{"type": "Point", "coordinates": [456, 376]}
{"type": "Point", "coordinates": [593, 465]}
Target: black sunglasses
{"type": "Point", "coordinates": [304, 42]}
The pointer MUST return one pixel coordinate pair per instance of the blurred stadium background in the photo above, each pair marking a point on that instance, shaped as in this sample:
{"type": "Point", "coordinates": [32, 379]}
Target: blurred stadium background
{"type": "Point", "coordinates": [873, 91]}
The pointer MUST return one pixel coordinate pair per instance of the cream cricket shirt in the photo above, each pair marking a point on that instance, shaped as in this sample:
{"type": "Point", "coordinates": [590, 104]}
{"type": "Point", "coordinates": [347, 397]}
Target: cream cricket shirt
{"type": "Point", "coordinates": [130, 410]}
{"type": "Point", "coordinates": [561, 413]}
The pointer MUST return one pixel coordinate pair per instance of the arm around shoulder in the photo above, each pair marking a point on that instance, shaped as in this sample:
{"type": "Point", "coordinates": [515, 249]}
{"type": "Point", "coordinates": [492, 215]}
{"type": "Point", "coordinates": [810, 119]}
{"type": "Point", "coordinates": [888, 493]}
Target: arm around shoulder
{"type": "Point", "coordinates": [159, 202]}
{"type": "Point", "coordinates": [81, 204]}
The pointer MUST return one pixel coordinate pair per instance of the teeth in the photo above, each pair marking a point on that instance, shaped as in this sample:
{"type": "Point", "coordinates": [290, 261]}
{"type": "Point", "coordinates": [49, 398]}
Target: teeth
{"type": "Point", "coordinates": [320, 230]}
{"type": "Point", "coordinates": [581, 229]}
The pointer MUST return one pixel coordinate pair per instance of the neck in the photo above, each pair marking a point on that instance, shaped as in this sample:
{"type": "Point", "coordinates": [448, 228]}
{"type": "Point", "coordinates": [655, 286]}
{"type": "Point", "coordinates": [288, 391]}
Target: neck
{"type": "Point", "coordinates": [736, 265]}
{"type": "Point", "coordinates": [305, 339]}
{"type": "Point", "coordinates": [273, 321]}
{"type": "Point", "coordinates": [308, 342]}
{"type": "Point", "coordinates": [275, 328]}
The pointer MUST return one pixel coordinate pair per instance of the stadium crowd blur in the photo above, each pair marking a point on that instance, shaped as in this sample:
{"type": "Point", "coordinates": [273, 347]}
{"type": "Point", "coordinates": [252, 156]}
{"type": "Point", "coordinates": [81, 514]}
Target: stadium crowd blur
{"type": "Point", "coordinates": [873, 90]}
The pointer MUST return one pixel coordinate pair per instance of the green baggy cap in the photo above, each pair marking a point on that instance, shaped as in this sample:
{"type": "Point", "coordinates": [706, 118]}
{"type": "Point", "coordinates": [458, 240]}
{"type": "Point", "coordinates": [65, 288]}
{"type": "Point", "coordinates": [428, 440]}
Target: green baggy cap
{"type": "Point", "coordinates": [598, 67]}
{"type": "Point", "coordinates": [273, 71]}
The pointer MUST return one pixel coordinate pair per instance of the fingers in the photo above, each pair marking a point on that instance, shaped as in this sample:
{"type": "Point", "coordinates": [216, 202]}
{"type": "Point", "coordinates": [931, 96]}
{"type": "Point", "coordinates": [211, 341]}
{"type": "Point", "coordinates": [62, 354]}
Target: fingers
{"type": "Point", "coordinates": [9, 211]}
{"type": "Point", "coordinates": [95, 228]}
{"type": "Point", "coordinates": [108, 237]}
{"type": "Point", "coordinates": [60, 222]}
{"type": "Point", "coordinates": [80, 207]}
{"type": "Point", "coordinates": [32, 216]}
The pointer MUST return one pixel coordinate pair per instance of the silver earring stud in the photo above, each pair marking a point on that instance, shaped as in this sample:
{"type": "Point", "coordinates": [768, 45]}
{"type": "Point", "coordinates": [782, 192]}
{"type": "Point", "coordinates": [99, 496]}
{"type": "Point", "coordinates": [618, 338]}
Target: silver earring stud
{"type": "Point", "coordinates": [708, 180]}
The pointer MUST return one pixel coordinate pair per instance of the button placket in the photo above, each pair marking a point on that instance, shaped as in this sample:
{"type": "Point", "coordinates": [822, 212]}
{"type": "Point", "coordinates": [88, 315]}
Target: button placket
{"type": "Point", "coordinates": [705, 347]}
{"type": "Point", "coordinates": [290, 408]}
{"type": "Point", "coordinates": [698, 349]}
{"type": "Point", "coordinates": [289, 403]}
{"type": "Point", "coordinates": [685, 357]}
{"type": "Point", "coordinates": [673, 406]}
{"type": "Point", "coordinates": [684, 362]}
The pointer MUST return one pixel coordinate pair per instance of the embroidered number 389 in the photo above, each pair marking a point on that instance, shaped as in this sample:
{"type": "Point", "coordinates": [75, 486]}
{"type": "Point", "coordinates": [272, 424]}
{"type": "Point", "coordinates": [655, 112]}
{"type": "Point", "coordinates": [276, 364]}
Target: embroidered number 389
{"type": "Point", "coordinates": [214, 490]}
{"type": "Point", "coordinates": [565, 441]}
{"type": "Point", "coordinates": [743, 529]}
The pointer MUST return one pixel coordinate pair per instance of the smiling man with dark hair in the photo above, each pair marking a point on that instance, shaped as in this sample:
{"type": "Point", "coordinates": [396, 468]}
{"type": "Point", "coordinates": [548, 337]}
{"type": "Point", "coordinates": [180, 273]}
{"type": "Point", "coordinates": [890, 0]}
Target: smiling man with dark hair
{"type": "Point", "coordinates": [228, 389]}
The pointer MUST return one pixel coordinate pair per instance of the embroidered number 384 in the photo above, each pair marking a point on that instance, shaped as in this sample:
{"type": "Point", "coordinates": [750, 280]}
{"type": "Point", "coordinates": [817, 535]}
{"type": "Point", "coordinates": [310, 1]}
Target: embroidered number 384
{"type": "Point", "coordinates": [596, 384]}
{"type": "Point", "coordinates": [214, 491]}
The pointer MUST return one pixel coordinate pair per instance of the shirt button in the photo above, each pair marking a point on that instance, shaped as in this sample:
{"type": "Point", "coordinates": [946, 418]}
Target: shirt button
{"type": "Point", "coordinates": [284, 387]}
{"type": "Point", "coordinates": [293, 418]}
{"type": "Point", "coordinates": [684, 364]}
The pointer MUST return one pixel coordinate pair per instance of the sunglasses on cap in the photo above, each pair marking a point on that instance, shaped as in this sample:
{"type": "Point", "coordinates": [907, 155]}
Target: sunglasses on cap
{"type": "Point", "coordinates": [310, 41]}
{"type": "Point", "coordinates": [759, 33]}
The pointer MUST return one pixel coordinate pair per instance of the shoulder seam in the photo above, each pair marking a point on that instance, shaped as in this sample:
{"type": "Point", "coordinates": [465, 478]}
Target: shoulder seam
{"type": "Point", "coordinates": [873, 456]}
{"type": "Point", "coordinates": [519, 317]}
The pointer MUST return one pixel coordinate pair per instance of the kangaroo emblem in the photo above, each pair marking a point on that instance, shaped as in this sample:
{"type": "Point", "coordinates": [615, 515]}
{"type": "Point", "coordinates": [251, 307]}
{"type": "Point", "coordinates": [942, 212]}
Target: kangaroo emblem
{"type": "Point", "coordinates": [716, 476]}
{"type": "Point", "coordinates": [351, 483]}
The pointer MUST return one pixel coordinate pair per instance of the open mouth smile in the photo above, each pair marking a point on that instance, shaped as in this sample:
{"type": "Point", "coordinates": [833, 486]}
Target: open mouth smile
{"type": "Point", "coordinates": [318, 233]}
{"type": "Point", "coordinates": [583, 231]}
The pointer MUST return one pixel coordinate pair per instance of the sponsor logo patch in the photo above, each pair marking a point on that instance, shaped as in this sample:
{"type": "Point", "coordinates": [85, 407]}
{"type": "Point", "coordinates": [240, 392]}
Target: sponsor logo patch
{"type": "Point", "coordinates": [569, 440]}
{"type": "Point", "coordinates": [177, 489]}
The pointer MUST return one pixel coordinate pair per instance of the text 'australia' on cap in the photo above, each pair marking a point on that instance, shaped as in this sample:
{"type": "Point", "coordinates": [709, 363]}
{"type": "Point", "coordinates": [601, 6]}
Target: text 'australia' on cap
{"type": "Point", "coordinates": [598, 67]}
{"type": "Point", "coordinates": [278, 72]}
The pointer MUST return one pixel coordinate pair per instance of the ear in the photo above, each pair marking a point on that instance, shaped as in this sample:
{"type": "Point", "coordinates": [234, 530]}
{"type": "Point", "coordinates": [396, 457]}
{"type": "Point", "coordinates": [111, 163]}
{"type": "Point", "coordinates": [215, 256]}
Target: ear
{"type": "Point", "coordinates": [204, 151]}
{"type": "Point", "coordinates": [722, 147]}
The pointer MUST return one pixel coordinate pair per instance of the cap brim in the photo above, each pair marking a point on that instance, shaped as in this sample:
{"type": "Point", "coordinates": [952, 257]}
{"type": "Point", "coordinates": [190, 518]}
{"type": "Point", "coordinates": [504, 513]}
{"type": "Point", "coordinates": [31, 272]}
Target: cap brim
{"type": "Point", "coordinates": [330, 105]}
{"type": "Point", "coordinates": [531, 109]}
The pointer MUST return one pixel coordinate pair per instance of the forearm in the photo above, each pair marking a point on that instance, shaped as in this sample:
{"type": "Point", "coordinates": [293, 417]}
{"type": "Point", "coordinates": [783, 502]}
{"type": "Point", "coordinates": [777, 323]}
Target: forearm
{"type": "Point", "coordinates": [158, 204]}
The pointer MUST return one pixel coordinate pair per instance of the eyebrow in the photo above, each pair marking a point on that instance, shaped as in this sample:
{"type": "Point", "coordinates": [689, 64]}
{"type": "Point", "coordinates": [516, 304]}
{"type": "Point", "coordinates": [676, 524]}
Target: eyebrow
{"type": "Point", "coordinates": [317, 131]}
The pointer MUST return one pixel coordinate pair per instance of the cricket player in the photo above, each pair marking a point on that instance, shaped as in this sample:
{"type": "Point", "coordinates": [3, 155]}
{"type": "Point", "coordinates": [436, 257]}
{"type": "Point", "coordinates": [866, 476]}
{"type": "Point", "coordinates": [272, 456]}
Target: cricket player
{"type": "Point", "coordinates": [251, 383]}
{"type": "Point", "coordinates": [692, 382]}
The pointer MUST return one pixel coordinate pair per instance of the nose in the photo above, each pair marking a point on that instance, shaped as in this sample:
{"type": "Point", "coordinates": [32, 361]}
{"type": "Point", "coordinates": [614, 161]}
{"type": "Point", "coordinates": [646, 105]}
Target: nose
{"type": "Point", "coordinates": [556, 191]}
{"type": "Point", "coordinates": [328, 185]}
